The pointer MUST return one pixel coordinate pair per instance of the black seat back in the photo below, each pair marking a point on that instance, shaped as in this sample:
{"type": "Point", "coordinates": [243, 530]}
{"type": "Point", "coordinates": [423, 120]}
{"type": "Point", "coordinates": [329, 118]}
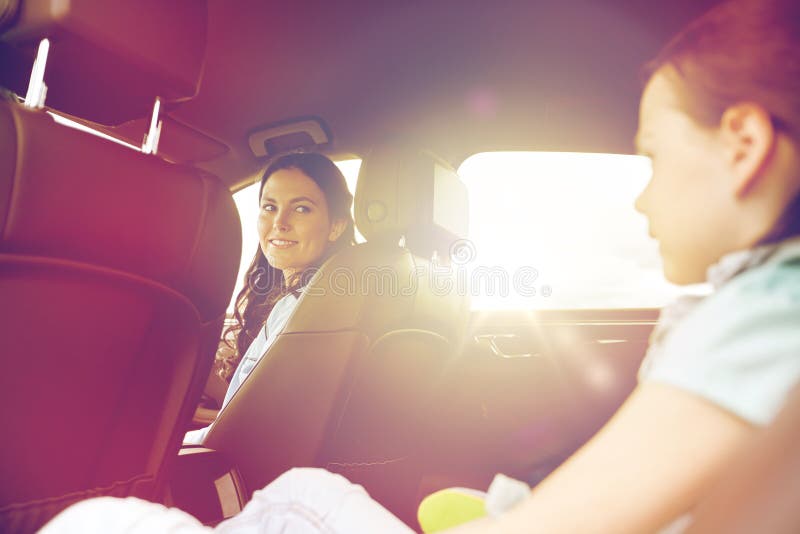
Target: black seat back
{"type": "Point", "coordinates": [115, 272]}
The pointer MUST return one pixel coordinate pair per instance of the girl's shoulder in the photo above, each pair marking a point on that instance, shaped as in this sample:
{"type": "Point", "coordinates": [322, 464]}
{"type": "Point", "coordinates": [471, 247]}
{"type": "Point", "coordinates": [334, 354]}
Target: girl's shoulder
{"type": "Point", "coordinates": [740, 347]}
{"type": "Point", "coordinates": [772, 288]}
{"type": "Point", "coordinates": [779, 279]}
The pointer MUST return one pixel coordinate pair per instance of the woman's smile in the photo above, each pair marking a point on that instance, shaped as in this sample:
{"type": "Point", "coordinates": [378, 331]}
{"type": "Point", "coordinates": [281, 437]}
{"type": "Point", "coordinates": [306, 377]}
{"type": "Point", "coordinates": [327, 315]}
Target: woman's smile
{"type": "Point", "coordinates": [282, 243]}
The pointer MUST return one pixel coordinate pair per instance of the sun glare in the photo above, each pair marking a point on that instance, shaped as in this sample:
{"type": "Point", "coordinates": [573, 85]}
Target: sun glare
{"type": "Point", "coordinates": [548, 230]}
{"type": "Point", "coordinates": [558, 230]}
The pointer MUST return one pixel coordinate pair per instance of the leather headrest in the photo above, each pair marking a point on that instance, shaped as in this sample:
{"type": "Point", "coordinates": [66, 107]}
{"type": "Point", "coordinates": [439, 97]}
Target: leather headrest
{"type": "Point", "coordinates": [410, 193]}
{"type": "Point", "coordinates": [66, 195]}
{"type": "Point", "coordinates": [106, 53]}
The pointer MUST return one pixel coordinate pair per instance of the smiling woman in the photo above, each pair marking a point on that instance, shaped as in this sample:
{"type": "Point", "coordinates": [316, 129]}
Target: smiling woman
{"type": "Point", "coordinates": [247, 203]}
{"type": "Point", "coordinates": [315, 176]}
{"type": "Point", "coordinates": [304, 216]}
{"type": "Point", "coordinates": [295, 227]}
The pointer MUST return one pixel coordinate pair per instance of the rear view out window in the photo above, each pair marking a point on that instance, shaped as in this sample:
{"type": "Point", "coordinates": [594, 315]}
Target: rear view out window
{"type": "Point", "coordinates": [559, 230]}
{"type": "Point", "coordinates": [548, 230]}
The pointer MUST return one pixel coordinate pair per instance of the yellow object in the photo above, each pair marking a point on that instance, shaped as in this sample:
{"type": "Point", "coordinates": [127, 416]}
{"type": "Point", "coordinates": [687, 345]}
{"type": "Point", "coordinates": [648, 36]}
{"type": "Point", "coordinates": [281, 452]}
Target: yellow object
{"type": "Point", "coordinates": [450, 507]}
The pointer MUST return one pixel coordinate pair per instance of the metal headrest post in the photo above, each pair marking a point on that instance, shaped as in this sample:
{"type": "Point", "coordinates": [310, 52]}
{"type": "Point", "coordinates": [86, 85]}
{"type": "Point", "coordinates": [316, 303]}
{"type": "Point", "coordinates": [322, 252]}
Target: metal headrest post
{"type": "Point", "coordinates": [37, 93]}
{"type": "Point", "coordinates": [37, 90]}
{"type": "Point", "coordinates": [151, 138]}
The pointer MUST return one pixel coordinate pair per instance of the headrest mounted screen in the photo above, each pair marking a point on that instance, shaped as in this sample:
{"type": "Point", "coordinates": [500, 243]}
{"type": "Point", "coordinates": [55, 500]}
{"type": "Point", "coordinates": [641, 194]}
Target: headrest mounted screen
{"type": "Point", "coordinates": [413, 194]}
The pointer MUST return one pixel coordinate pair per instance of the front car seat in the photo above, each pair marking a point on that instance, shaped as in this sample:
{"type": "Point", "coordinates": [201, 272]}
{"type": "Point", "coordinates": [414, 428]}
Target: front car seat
{"type": "Point", "coordinates": [346, 384]}
{"type": "Point", "coordinates": [115, 272]}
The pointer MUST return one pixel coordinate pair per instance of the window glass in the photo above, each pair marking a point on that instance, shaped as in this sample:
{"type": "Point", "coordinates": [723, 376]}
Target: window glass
{"type": "Point", "coordinates": [559, 230]}
{"type": "Point", "coordinates": [548, 230]}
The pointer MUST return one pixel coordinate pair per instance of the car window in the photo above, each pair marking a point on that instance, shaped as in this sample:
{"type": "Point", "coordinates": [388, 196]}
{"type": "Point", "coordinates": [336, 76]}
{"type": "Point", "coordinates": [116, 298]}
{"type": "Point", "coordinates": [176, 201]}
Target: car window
{"type": "Point", "coordinates": [559, 230]}
{"type": "Point", "coordinates": [247, 203]}
{"type": "Point", "coordinates": [548, 230]}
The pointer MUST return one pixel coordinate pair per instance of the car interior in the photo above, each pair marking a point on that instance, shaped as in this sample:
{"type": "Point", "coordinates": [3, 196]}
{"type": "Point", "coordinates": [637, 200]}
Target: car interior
{"type": "Point", "coordinates": [126, 129]}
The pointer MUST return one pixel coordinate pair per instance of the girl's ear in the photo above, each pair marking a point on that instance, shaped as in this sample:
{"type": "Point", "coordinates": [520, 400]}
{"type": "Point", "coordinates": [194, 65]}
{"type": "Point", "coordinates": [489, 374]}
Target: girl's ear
{"type": "Point", "coordinates": [749, 138]}
{"type": "Point", "coordinates": [337, 228]}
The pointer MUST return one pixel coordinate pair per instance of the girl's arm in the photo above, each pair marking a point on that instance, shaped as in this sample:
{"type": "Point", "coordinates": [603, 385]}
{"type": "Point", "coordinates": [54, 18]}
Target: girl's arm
{"type": "Point", "coordinates": [652, 462]}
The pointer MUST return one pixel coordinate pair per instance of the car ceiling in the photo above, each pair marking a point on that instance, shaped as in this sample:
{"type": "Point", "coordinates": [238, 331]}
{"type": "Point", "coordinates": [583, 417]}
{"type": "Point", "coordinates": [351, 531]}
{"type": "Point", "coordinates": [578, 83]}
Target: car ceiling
{"type": "Point", "coordinates": [453, 76]}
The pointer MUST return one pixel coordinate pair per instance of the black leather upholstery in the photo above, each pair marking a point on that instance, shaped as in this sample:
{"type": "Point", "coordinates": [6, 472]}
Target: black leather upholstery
{"type": "Point", "coordinates": [108, 61]}
{"type": "Point", "coordinates": [115, 272]}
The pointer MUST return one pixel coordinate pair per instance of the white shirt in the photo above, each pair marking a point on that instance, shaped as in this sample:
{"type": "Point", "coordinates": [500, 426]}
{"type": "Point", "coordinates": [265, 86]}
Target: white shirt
{"type": "Point", "coordinates": [276, 321]}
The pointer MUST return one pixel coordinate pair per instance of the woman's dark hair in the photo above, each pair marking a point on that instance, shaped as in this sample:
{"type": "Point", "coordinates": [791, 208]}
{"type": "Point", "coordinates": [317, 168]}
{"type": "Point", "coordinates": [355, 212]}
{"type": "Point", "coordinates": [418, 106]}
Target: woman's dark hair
{"type": "Point", "coordinates": [742, 51]}
{"type": "Point", "coordinates": [264, 285]}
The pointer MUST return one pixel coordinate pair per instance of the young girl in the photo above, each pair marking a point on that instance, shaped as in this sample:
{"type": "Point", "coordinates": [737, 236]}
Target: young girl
{"type": "Point", "coordinates": [720, 119]}
{"type": "Point", "coordinates": [304, 217]}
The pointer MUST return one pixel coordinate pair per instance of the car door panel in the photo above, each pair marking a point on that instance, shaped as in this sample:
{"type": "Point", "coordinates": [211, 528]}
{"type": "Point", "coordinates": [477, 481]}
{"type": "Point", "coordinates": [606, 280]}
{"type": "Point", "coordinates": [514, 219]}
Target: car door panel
{"type": "Point", "coordinates": [522, 409]}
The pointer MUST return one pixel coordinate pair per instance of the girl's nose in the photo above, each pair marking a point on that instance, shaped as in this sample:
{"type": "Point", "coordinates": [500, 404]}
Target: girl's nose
{"type": "Point", "coordinates": [639, 205]}
{"type": "Point", "coordinates": [641, 201]}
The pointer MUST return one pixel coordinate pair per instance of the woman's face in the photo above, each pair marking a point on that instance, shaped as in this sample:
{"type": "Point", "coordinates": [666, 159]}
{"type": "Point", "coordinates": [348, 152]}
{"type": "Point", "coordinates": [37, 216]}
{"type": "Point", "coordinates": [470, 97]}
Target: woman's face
{"type": "Point", "coordinates": [689, 201]}
{"type": "Point", "coordinates": [294, 227]}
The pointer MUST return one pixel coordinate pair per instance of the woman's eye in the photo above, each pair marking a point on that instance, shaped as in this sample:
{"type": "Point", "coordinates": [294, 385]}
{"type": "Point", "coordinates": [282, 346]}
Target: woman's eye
{"type": "Point", "coordinates": [303, 209]}
{"type": "Point", "coordinates": [268, 207]}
